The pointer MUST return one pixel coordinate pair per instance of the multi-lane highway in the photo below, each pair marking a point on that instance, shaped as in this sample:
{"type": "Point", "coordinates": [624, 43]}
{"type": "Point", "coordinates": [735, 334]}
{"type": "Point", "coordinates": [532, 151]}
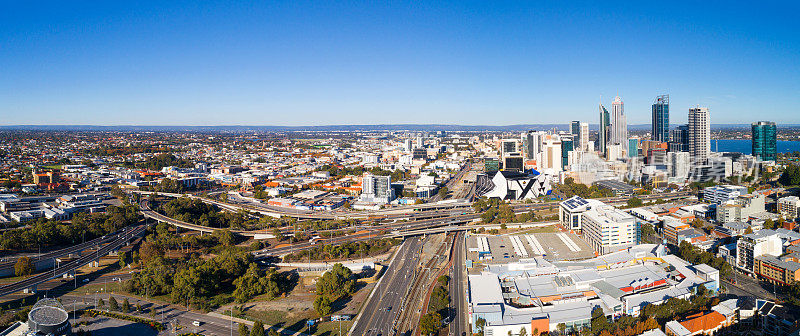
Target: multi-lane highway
{"type": "Point", "coordinates": [118, 241]}
{"type": "Point", "coordinates": [9, 265]}
{"type": "Point", "coordinates": [383, 306]}
{"type": "Point", "coordinates": [458, 288]}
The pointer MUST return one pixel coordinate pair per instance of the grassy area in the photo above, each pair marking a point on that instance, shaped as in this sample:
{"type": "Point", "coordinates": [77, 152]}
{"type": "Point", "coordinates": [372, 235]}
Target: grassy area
{"type": "Point", "coordinates": [279, 318]}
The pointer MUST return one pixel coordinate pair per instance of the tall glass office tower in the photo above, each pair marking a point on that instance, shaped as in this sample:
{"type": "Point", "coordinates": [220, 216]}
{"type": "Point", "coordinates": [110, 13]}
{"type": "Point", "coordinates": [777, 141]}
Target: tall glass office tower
{"type": "Point", "coordinates": [575, 130]}
{"type": "Point", "coordinates": [619, 125]}
{"type": "Point", "coordinates": [765, 135]}
{"type": "Point", "coordinates": [661, 118]}
{"type": "Point", "coordinates": [605, 130]}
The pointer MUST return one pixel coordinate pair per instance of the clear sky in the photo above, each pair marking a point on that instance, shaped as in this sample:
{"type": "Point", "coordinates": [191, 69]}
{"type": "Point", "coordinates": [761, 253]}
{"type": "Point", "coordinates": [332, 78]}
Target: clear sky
{"type": "Point", "coordinates": [371, 62]}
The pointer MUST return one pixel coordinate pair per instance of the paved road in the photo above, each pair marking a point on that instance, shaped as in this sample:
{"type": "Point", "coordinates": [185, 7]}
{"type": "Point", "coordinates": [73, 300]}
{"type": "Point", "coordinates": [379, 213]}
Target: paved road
{"type": "Point", "coordinates": [747, 286]}
{"type": "Point", "coordinates": [119, 240]}
{"type": "Point", "coordinates": [458, 287]}
{"type": "Point", "coordinates": [381, 309]}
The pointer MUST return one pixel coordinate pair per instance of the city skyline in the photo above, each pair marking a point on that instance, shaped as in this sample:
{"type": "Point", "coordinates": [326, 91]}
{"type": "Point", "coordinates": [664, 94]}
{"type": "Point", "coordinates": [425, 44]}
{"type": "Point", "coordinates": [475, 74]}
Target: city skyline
{"type": "Point", "coordinates": [330, 64]}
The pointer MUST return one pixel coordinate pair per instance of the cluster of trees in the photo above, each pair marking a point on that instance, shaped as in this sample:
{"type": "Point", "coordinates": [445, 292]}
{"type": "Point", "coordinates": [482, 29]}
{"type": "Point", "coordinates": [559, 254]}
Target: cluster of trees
{"type": "Point", "coordinates": [495, 211]}
{"type": "Point", "coordinates": [701, 300]}
{"type": "Point", "coordinates": [24, 266]}
{"type": "Point", "coordinates": [160, 161]}
{"type": "Point", "coordinates": [128, 150]}
{"type": "Point", "coordinates": [569, 188]}
{"type": "Point", "coordinates": [437, 307]}
{"type": "Point", "coordinates": [624, 326]}
{"type": "Point", "coordinates": [164, 240]}
{"type": "Point", "coordinates": [694, 255]}
{"type": "Point", "coordinates": [195, 211]}
{"type": "Point", "coordinates": [258, 330]}
{"type": "Point", "coordinates": [344, 251]}
{"type": "Point", "coordinates": [255, 282]}
{"type": "Point", "coordinates": [85, 226]}
{"type": "Point", "coordinates": [397, 175]}
{"type": "Point", "coordinates": [199, 282]}
{"type": "Point", "coordinates": [168, 185]}
{"type": "Point", "coordinates": [651, 315]}
{"type": "Point", "coordinates": [790, 176]}
{"type": "Point", "coordinates": [338, 283]}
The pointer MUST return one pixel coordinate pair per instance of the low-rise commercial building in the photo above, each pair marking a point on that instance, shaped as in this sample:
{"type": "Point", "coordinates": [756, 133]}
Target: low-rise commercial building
{"type": "Point", "coordinates": [535, 294]}
{"type": "Point", "coordinates": [741, 208]}
{"type": "Point", "coordinates": [723, 193]}
{"type": "Point", "coordinates": [781, 271]}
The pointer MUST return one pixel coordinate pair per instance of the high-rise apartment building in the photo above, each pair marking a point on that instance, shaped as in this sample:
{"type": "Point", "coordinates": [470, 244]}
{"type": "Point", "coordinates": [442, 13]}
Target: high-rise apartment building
{"type": "Point", "coordinates": [699, 133]}
{"type": "Point", "coordinates": [551, 153]}
{"type": "Point", "coordinates": [660, 120]}
{"type": "Point", "coordinates": [604, 133]}
{"type": "Point", "coordinates": [789, 207]}
{"type": "Point", "coordinates": [584, 139]}
{"type": "Point", "coordinates": [753, 245]}
{"type": "Point", "coordinates": [765, 140]}
{"type": "Point", "coordinates": [619, 125]}
{"type": "Point", "coordinates": [376, 189]}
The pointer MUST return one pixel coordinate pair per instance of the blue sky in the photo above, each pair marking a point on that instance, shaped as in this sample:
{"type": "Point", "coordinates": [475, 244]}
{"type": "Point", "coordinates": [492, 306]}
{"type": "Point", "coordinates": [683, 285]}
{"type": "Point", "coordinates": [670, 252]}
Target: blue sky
{"type": "Point", "coordinates": [325, 62]}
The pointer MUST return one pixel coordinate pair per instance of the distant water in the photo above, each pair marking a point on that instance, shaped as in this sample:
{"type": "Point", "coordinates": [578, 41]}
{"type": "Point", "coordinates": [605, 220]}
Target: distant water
{"type": "Point", "coordinates": [745, 146]}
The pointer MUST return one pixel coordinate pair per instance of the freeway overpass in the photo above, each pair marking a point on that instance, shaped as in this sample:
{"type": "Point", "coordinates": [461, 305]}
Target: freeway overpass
{"type": "Point", "coordinates": [116, 242]}
{"type": "Point", "coordinates": [277, 212]}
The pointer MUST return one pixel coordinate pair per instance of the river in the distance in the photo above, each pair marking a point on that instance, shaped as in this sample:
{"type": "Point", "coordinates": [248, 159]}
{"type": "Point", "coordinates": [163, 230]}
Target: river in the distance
{"type": "Point", "coordinates": [745, 146]}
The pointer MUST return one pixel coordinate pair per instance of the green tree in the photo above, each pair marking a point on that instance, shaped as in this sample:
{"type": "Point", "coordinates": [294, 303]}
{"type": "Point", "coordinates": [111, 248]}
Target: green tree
{"type": "Point", "coordinates": [126, 306]}
{"type": "Point", "coordinates": [100, 302]}
{"type": "Point", "coordinates": [123, 259]}
{"type": "Point", "coordinates": [429, 323]}
{"type": "Point", "coordinates": [443, 191]}
{"type": "Point", "coordinates": [322, 305]}
{"type": "Point", "coordinates": [112, 303]}
{"type": "Point", "coordinates": [23, 267]}
{"type": "Point", "coordinates": [336, 283]}
{"type": "Point", "coordinates": [225, 237]}
{"type": "Point", "coordinates": [258, 329]}
{"type": "Point", "coordinates": [790, 176]}
{"type": "Point", "coordinates": [634, 202]}
{"type": "Point", "coordinates": [243, 330]}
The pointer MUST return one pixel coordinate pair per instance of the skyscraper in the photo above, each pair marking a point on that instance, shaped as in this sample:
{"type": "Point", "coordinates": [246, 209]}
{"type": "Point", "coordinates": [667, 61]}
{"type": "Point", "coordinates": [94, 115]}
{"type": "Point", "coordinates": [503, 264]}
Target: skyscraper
{"type": "Point", "coordinates": [765, 140]}
{"type": "Point", "coordinates": [679, 139]}
{"type": "Point", "coordinates": [533, 141]}
{"type": "Point", "coordinates": [619, 126]}
{"type": "Point", "coordinates": [567, 145]}
{"type": "Point", "coordinates": [584, 140]}
{"type": "Point", "coordinates": [633, 147]}
{"type": "Point", "coordinates": [699, 133]}
{"type": "Point", "coordinates": [575, 130]}
{"type": "Point", "coordinates": [605, 130]}
{"type": "Point", "coordinates": [661, 118]}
